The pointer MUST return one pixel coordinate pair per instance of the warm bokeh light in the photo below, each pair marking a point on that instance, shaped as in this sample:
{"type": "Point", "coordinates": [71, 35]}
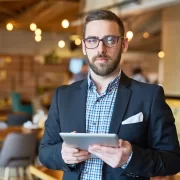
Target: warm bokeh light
{"type": "Point", "coordinates": [77, 42]}
{"type": "Point", "coordinates": [8, 60]}
{"type": "Point", "coordinates": [61, 44]}
{"type": "Point", "coordinates": [65, 23]}
{"type": "Point", "coordinates": [129, 35]}
{"type": "Point", "coordinates": [38, 31]}
{"type": "Point", "coordinates": [3, 75]}
{"type": "Point", "coordinates": [145, 35]}
{"type": "Point", "coordinates": [161, 54]}
{"type": "Point", "coordinates": [33, 26]}
{"type": "Point", "coordinates": [38, 38]}
{"type": "Point", "coordinates": [9, 26]}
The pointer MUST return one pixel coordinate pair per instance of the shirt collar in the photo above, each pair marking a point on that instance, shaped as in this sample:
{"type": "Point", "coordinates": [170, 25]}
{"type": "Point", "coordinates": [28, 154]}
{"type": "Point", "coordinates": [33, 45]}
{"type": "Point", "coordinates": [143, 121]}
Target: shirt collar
{"type": "Point", "coordinates": [113, 84]}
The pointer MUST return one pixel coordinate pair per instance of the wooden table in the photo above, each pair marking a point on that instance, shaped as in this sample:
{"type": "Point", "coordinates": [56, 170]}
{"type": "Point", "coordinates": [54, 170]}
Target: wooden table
{"type": "Point", "coordinates": [48, 174]}
{"type": "Point", "coordinates": [19, 129]}
{"type": "Point", "coordinates": [3, 118]}
{"type": "Point", "coordinates": [45, 174]}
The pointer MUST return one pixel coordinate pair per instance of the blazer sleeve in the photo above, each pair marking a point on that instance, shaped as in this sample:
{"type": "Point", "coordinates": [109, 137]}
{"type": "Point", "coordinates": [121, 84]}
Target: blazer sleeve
{"type": "Point", "coordinates": [162, 157]}
{"type": "Point", "coordinates": [51, 143]}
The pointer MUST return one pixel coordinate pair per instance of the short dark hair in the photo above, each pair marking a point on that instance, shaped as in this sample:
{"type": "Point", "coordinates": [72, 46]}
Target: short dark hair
{"type": "Point", "coordinates": [104, 15]}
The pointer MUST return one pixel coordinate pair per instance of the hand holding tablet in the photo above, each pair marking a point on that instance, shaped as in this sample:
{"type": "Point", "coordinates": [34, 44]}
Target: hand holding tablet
{"type": "Point", "coordinates": [83, 140]}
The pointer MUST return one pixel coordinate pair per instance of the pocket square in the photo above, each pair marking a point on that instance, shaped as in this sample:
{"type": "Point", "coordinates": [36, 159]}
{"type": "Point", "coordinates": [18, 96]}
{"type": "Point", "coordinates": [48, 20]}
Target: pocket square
{"type": "Point", "coordinates": [134, 119]}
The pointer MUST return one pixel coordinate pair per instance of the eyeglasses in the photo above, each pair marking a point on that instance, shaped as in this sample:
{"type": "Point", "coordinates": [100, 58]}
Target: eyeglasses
{"type": "Point", "coordinates": [108, 41]}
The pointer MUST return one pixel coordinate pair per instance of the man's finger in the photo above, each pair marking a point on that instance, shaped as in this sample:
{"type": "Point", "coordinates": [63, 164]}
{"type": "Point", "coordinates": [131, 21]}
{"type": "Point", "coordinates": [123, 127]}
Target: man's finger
{"type": "Point", "coordinates": [76, 159]}
{"type": "Point", "coordinates": [103, 149]}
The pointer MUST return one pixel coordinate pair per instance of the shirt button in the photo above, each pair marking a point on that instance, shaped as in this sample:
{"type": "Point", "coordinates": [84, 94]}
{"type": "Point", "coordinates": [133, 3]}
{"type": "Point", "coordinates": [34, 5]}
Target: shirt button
{"type": "Point", "coordinates": [98, 100]}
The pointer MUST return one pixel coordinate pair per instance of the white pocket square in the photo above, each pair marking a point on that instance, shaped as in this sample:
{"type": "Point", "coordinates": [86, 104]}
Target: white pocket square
{"type": "Point", "coordinates": [134, 119]}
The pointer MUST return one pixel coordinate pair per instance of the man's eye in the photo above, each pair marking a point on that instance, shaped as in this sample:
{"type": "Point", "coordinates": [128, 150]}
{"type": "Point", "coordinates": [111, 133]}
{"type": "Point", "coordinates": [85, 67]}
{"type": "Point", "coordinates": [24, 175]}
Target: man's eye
{"type": "Point", "coordinates": [110, 40]}
{"type": "Point", "coordinates": [92, 41]}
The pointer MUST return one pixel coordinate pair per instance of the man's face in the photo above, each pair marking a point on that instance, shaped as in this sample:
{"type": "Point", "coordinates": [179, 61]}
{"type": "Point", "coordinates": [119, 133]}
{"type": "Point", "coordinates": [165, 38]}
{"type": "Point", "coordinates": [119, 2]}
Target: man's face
{"type": "Point", "coordinates": [103, 60]}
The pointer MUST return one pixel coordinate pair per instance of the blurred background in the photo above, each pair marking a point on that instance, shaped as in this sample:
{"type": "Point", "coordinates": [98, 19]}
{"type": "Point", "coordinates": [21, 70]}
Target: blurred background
{"type": "Point", "coordinates": [40, 49]}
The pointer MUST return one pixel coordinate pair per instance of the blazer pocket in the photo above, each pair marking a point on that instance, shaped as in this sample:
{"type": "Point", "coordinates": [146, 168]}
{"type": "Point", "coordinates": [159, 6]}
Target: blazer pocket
{"type": "Point", "coordinates": [134, 119]}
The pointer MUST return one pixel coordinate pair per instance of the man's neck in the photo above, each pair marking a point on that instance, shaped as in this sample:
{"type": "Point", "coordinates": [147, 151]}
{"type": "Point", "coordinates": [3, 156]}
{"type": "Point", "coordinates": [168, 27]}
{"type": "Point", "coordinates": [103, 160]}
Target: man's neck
{"type": "Point", "coordinates": [102, 82]}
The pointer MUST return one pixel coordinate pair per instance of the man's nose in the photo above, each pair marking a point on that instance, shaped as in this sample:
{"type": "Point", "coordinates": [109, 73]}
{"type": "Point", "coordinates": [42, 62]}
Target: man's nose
{"type": "Point", "coordinates": [101, 47]}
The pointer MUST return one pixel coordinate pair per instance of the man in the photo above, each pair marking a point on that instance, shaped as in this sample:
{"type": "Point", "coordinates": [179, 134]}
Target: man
{"type": "Point", "coordinates": [137, 74]}
{"type": "Point", "coordinates": [82, 74]}
{"type": "Point", "coordinates": [110, 102]}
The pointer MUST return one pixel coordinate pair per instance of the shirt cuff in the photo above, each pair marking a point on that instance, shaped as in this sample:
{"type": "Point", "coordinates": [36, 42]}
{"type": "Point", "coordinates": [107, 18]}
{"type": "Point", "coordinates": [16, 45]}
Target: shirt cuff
{"type": "Point", "coordinates": [125, 165]}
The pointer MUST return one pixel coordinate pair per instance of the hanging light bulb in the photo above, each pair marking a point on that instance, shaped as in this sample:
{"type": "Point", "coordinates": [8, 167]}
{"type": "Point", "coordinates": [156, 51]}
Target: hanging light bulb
{"type": "Point", "coordinates": [145, 35]}
{"type": "Point", "coordinates": [38, 31]}
{"type": "Point", "coordinates": [38, 38]}
{"type": "Point", "coordinates": [129, 35]}
{"type": "Point", "coordinates": [78, 42]}
{"type": "Point", "coordinates": [33, 26]}
{"type": "Point", "coordinates": [161, 54]}
{"type": "Point", "coordinates": [65, 23]}
{"type": "Point", "coordinates": [9, 26]}
{"type": "Point", "coordinates": [61, 44]}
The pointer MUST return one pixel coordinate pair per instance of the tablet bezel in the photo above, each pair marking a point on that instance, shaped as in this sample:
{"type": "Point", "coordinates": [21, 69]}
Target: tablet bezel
{"type": "Point", "coordinates": [83, 140]}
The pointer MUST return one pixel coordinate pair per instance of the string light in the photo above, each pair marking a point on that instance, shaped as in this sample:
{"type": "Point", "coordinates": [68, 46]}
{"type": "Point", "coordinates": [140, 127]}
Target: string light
{"type": "Point", "coordinates": [38, 31]}
{"type": "Point", "coordinates": [9, 26]}
{"type": "Point", "coordinates": [65, 23]}
{"type": "Point", "coordinates": [129, 35]}
{"type": "Point", "coordinates": [33, 26]}
{"type": "Point", "coordinates": [161, 54]}
{"type": "Point", "coordinates": [38, 38]}
{"type": "Point", "coordinates": [61, 44]}
{"type": "Point", "coordinates": [77, 42]}
{"type": "Point", "coordinates": [145, 35]}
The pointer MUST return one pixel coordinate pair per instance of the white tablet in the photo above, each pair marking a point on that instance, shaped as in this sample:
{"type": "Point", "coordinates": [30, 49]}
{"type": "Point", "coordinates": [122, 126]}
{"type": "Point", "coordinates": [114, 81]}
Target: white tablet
{"type": "Point", "coordinates": [83, 140]}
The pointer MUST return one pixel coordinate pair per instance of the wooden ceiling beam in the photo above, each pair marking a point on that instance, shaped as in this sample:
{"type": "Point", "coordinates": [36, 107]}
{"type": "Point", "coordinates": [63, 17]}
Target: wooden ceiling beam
{"type": "Point", "coordinates": [68, 14]}
{"type": "Point", "coordinates": [7, 11]}
{"type": "Point", "coordinates": [75, 1]}
{"type": "Point", "coordinates": [151, 44]}
{"type": "Point", "coordinates": [31, 12]}
{"type": "Point", "coordinates": [48, 12]}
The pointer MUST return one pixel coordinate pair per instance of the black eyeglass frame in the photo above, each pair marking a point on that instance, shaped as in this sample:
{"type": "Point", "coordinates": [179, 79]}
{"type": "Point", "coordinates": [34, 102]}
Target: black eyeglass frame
{"type": "Point", "coordinates": [102, 39]}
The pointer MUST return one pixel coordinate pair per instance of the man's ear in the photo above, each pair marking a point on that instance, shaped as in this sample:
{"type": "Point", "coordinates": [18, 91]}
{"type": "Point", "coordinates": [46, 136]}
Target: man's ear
{"type": "Point", "coordinates": [125, 45]}
{"type": "Point", "coordinates": [83, 48]}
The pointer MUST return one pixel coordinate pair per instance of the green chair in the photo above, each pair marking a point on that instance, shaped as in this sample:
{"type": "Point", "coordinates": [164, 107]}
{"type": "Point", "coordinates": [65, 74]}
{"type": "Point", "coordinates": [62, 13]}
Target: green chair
{"type": "Point", "coordinates": [17, 105]}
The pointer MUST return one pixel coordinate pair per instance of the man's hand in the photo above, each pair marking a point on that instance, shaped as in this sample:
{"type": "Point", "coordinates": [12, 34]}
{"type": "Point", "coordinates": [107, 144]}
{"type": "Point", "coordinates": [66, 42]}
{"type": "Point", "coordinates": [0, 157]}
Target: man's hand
{"type": "Point", "coordinates": [72, 155]}
{"type": "Point", "coordinates": [115, 157]}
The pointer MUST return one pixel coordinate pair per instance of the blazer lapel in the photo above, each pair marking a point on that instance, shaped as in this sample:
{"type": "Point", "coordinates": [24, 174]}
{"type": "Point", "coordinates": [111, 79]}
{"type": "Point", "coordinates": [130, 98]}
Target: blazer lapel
{"type": "Point", "coordinates": [121, 103]}
{"type": "Point", "coordinates": [79, 107]}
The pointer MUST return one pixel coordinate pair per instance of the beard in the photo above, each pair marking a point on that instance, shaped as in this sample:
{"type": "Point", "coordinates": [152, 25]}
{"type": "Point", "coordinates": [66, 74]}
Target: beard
{"type": "Point", "coordinates": [104, 69]}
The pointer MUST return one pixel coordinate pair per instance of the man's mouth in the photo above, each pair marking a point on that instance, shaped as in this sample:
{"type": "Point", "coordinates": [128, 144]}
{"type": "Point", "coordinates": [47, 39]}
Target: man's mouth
{"type": "Point", "coordinates": [101, 59]}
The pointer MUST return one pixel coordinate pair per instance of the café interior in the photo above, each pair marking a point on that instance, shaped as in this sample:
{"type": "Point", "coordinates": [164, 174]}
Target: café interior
{"type": "Point", "coordinates": [40, 49]}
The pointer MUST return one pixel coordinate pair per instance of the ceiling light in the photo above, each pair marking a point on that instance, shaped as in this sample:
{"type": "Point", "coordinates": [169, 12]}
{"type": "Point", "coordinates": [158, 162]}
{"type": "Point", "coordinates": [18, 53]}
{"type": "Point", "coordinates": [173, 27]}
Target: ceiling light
{"type": "Point", "coordinates": [61, 44]}
{"type": "Point", "coordinates": [74, 37]}
{"type": "Point", "coordinates": [9, 26]}
{"type": "Point", "coordinates": [33, 26]}
{"type": "Point", "coordinates": [77, 42]}
{"type": "Point", "coordinates": [145, 35]}
{"type": "Point", "coordinates": [65, 23]}
{"type": "Point", "coordinates": [161, 54]}
{"type": "Point", "coordinates": [38, 31]}
{"type": "Point", "coordinates": [129, 35]}
{"type": "Point", "coordinates": [38, 38]}
{"type": "Point", "coordinates": [8, 60]}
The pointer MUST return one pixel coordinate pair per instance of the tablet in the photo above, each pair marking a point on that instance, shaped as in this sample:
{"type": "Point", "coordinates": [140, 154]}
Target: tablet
{"type": "Point", "coordinates": [83, 140]}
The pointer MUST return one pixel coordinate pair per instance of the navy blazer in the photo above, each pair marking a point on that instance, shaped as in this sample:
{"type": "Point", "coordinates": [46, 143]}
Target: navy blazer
{"type": "Point", "coordinates": [154, 141]}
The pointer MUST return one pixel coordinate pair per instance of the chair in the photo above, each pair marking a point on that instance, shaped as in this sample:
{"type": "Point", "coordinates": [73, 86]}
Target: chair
{"type": "Point", "coordinates": [18, 119]}
{"type": "Point", "coordinates": [18, 150]}
{"type": "Point", "coordinates": [17, 106]}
